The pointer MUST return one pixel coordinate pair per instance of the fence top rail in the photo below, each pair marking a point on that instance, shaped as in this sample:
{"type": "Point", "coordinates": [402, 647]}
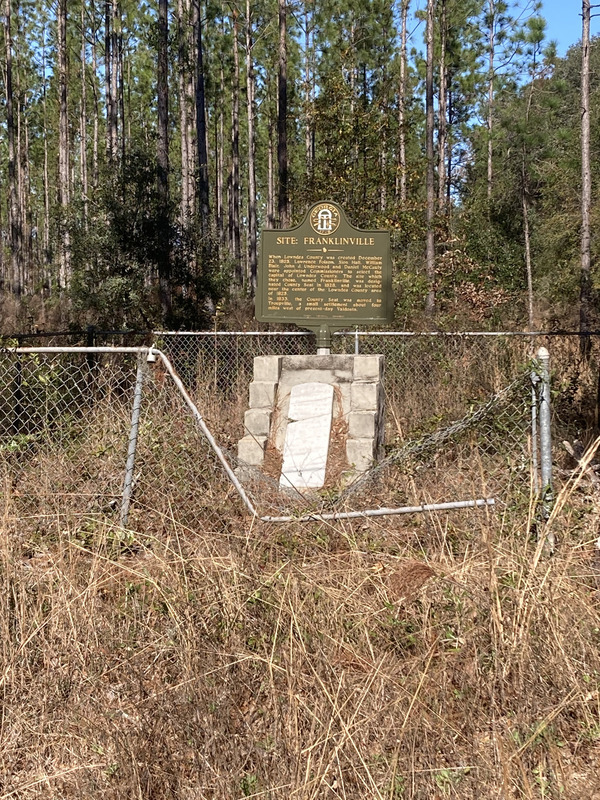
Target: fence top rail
{"type": "Point", "coordinates": [42, 350]}
{"type": "Point", "coordinates": [349, 332]}
{"type": "Point", "coordinates": [443, 334]}
{"type": "Point", "coordinates": [234, 333]}
{"type": "Point", "coordinates": [81, 332]}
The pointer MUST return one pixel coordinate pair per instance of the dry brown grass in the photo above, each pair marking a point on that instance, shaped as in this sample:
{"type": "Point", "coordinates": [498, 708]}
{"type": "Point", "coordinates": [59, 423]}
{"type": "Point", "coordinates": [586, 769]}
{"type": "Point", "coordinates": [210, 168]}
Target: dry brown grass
{"type": "Point", "coordinates": [204, 655]}
{"type": "Point", "coordinates": [441, 656]}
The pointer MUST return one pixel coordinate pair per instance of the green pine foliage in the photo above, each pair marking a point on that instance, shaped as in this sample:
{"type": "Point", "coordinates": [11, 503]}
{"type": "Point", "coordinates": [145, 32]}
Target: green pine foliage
{"type": "Point", "coordinates": [135, 259]}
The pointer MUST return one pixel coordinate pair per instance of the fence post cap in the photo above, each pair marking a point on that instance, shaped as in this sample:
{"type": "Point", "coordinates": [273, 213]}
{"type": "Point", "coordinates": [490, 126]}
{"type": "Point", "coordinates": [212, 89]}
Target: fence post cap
{"type": "Point", "coordinates": [152, 356]}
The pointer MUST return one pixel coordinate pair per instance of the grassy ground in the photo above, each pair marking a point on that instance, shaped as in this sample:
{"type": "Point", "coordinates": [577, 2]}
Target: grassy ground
{"type": "Point", "coordinates": [203, 654]}
{"type": "Point", "coordinates": [430, 657]}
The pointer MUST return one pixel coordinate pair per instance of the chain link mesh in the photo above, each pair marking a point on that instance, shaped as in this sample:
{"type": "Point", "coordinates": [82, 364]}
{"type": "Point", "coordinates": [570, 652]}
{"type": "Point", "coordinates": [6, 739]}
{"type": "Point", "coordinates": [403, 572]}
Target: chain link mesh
{"type": "Point", "coordinates": [63, 433]}
{"type": "Point", "coordinates": [458, 427]}
{"type": "Point", "coordinates": [433, 379]}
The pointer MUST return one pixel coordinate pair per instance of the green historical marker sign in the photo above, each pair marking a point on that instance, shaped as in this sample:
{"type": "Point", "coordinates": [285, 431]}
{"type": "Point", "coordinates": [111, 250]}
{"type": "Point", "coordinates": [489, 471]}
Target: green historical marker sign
{"type": "Point", "coordinates": [325, 274]}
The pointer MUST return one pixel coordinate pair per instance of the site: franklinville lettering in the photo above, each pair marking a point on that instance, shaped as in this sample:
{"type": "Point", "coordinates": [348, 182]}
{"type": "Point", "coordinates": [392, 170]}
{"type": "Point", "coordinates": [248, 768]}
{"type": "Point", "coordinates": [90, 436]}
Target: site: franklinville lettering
{"type": "Point", "coordinates": [321, 240]}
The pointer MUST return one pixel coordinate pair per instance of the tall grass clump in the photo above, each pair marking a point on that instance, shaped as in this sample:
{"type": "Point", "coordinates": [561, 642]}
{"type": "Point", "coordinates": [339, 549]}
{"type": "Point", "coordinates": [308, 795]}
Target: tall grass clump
{"type": "Point", "coordinates": [437, 656]}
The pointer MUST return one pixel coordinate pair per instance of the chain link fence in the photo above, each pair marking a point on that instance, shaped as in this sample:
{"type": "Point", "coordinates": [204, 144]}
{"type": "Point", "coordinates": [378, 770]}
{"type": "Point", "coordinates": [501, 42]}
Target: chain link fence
{"type": "Point", "coordinates": [431, 379]}
{"type": "Point", "coordinates": [63, 419]}
{"type": "Point", "coordinates": [459, 413]}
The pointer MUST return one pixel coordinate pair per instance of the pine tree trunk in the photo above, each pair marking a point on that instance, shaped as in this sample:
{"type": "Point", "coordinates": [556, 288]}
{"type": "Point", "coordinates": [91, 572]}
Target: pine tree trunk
{"type": "Point", "coordinates": [192, 11]}
{"type": "Point", "coordinates": [110, 154]}
{"type": "Point", "coordinates": [442, 129]}
{"type": "Point", "coordinates": [234, 177]}
{"type": "Point", "coordinates": [220, 164]}
{"type": "Point", "coordinates": [162, 153]}
{"type": "Point", "coordinates": [110, 78]}
{"type": "Point", "coordinates": [354, 188]}
{"type": "Point", "coordinates": [490, 118]}
{"type": "Point", "coordinates": [114, 76]}
{"type": "Point", "coordinates": [430, 177]}
{"type": "Point", "coordinates": [449, 149]}
{"type": "Point", "coordinates": [14, 222]}
{"type": "Point", "coordinates": [63, 147]}
{"type": "Point", "coordinates": [46, 234]}
{"type": "Point", "coordinates": [96, 133]}
{"type": "Point", "coordinates": [282, 154]}
{"type": "Point", "coordinates": [184, 205]}
{"type": "Point", "coordinates": [184, 80]}
{"type": "Point", "coordinates": [585, 302]}
{"type": "Point", "coordinates": [252, 248]}
{"type": "Point", "coordinates": [527, 237]}
{"type": "Point", "coordinates": [271, 181]}
{"type": "Point", "coordinates": [23, 193]}
{"type": "Point", "coordinates": [121, 87]}
{"type": "Point", "coordinates": [201, 132]}
{"type": "Point", "coordinates": [309, 139]}
{"type": "Point", "coordinates": [83, 170]}
{"type": "Point", "coordinates": [383, 168]}
{"type": "Point", "coordinates": [162, 158]}
{"type": "Point", "coordinates": [25, 210]}
{"type": "Point", "coordinates": [525, 205]}
{"type": "Point", "coordinates": [365, 108]}
{"type": "Point", "coordinates": [402, 104]}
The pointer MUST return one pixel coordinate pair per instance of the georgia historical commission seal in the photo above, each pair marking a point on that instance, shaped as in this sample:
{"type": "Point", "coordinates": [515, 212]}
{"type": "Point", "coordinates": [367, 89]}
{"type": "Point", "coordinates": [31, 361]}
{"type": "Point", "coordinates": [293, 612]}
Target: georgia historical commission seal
{"type": "Point", "coordinates": [324, 218]}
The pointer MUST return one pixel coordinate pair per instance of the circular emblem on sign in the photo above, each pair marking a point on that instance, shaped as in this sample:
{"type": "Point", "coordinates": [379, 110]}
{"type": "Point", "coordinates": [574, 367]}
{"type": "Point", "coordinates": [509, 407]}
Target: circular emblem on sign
{"type": "Point", "coordinates": [324, 219]}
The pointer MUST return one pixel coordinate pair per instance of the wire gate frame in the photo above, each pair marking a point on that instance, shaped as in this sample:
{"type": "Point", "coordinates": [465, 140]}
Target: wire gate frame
{"type": "Point", "coordinates": [151, 354]}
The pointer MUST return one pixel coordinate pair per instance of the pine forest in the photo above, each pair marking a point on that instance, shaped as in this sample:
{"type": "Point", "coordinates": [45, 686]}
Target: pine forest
{"type": "Point", "coordinates": [146, 145]}
{"type": "Point", "coordinates": [241, 561]}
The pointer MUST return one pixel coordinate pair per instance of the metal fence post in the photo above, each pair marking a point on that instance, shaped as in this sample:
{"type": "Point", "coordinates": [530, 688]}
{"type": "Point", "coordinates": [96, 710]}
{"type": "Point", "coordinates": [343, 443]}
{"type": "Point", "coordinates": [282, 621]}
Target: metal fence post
{"type": "Point", "coordinates": [133, 436]}
{"type": "Point", "coordinates": [545, 438]}
{"type": "Point", "coordinates": [18, 395]}
{"type": "Point", "coordinates": [91, 341]}
{"type": "Point", "coordinates": [535, 460]}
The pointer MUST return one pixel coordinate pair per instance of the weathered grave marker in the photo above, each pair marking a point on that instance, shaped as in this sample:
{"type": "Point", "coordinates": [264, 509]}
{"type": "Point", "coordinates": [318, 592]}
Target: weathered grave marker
{"type": "Point", "coordinates": [307, 436]}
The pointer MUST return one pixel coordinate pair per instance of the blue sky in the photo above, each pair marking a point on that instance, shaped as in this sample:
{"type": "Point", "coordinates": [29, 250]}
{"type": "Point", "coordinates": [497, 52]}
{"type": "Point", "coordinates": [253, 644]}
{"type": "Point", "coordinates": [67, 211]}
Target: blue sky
{"type": "Point", "coordinates": [564, 22]}
{"type": "Point", "coordinates": [563, 19]}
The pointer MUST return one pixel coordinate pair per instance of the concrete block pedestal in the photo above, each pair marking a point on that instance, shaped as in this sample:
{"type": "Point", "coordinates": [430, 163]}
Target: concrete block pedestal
{"type": "Point", "coordinates": [358, 385]}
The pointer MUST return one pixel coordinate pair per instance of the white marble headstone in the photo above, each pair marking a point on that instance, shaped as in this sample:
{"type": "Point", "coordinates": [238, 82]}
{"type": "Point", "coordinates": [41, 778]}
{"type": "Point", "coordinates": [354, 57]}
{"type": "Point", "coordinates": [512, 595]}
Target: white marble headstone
{"type": "Point", "coordinates": [307, 436]}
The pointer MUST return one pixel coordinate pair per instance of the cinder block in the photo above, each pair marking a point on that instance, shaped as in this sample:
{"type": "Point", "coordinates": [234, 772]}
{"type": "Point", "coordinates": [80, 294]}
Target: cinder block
{"type": "Point", "coordinates": [362, 424]}
{"type": "Point", "coordinates": [360, 453]}
{"type": "Point", "coordinates": [251, 450]}
{"type": "Point", "coordinates": [262, 394]}
{"type": "Point", "coordinates": [368, 368]}
{"type": "Point", "coordinates": [333, 363]}
{"type": "Point", "coordinates": [267, 368]}
{"type": "Point", "coordinates": [365, 396]}
{"type": "Point", "coordinates": [257, 421]}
